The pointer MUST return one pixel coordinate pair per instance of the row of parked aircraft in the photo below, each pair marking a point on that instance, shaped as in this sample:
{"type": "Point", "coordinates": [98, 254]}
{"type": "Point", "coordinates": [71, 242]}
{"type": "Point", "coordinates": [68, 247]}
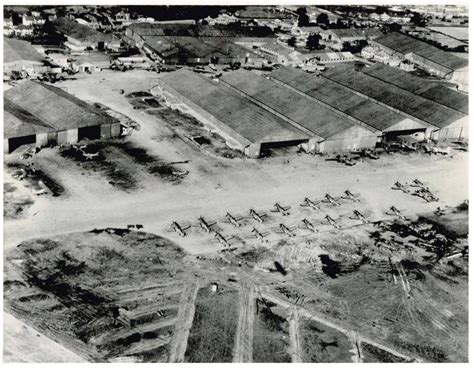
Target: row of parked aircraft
{"type": "Point", "coordinates": [306, 224]}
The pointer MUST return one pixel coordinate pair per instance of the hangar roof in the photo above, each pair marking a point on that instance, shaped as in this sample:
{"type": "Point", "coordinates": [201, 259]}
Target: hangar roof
{"type": "Point", "coordinates": [32, 107]}
{"type": "Point", "coordinates": [406, 44]}
{"type": "Point", "coordinates": [340, 98]}
{"type": "Point", "coordinates": [432, 90]}
{"type": "Point", "coordinates": [304, 111]}
{"type": "Point", "coordinates": [247, 119]}
{"type": "Point", "coordinates": [405, 101]}
{"type": "Point", "coordinates": [18, 50]}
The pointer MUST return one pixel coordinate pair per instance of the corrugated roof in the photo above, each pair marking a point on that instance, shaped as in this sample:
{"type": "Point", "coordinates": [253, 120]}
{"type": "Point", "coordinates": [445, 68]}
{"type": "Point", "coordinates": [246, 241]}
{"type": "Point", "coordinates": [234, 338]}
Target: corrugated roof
{"type": "Point", "coordinates": [406, 44]}
{"type": "Point", "coordinates": [355, 33]}
{"type": "Point", "coordinates": [304, 111]}
{"type": "Point", "coordinates": [199, 30]}
{"type": "Point", "coordinates": [340, 98]}
{"type": "Point", "coordinates": [81, 32]}
{"type": "Point", "coordinates": [430, 89]}
{"type": "Point", "coordinates": [32, 107]}
{"type": "Point", "coordinates": [19, 50]}
{"type": "Point", "coordinates": [250, 121]}
{"type": "Point", "coordinates": [405, 101]}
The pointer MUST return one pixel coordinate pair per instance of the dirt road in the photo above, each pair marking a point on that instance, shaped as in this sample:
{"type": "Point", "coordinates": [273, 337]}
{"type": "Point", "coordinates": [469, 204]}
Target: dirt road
{"type": "Point", "coordinates": [184, 323]}
{"type": "Point", "coordinates": [243, 350]}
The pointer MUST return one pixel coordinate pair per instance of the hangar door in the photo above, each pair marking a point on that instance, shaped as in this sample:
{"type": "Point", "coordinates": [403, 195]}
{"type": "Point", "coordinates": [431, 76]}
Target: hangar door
{"type": "Point", "coordinates": [15, 142]}
{"type": "Point", "coordinates": [92, 133]}
{"type": "Point", "coordinates": [268, 147]}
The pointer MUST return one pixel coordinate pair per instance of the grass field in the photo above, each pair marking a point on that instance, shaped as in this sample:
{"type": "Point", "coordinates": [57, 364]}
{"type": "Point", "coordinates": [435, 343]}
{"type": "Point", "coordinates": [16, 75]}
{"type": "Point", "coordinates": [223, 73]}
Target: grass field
{"type": "Point", "coordinates": [211, 338]}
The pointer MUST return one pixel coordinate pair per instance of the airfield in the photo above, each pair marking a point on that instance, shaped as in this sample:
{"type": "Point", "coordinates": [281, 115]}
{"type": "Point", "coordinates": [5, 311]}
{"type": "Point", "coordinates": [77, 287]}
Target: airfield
{"type": "Point", "coordinates": [142, 183]}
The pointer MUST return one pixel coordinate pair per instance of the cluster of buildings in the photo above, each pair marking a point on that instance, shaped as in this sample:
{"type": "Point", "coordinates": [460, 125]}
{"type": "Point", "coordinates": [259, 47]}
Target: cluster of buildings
{"type": "Point", "coordinates": [396, 48]}
{"type": "Point", "coordinates": [338, 110]}
{"type": "Point", "coordinates": [80, 37]}
{"type": "Point", "coordinates": [343, 107]}
{"type": "Point", "coordinates": [28, 23]}
{"type": "Point", "coordinates": [199, 44]}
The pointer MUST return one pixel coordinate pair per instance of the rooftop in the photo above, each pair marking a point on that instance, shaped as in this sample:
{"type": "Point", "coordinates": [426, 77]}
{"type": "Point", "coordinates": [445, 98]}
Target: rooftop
{"type": "Point", "coordinates": [304, 111]}
{"type": "Point", "coordinates": [81, 32]}
{"type": "Point", "coordinates": [389, 94]}
{"type": "Point", "coordinates": [197, 47]}
{"type": "Point", "coordinates": [197, 30]}
{"type": "Point", "coordinates": [250, 121]}
{"type": "Point", "coordinates": [431, 90]}
{"type": "Point", "coordinates": [18, 50]}
{"type": "Point", "coordinates": [355, 33]}
{"type": "Point", "coordinates": [406, 44]}
{"type": "Point", "coordinates": [32, 107]}
{"type": "Point", "coordinates": [336, 96]}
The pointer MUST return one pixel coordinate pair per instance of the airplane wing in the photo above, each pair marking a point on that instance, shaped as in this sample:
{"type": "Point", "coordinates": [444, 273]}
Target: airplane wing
{"type": "Point", "coordinates": [286, 208]}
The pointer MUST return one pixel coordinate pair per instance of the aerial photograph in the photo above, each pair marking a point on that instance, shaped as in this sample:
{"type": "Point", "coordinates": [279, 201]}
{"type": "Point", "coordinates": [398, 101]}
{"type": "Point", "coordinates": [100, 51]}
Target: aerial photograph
{"type": "Point", "coordinates": [235, 183]}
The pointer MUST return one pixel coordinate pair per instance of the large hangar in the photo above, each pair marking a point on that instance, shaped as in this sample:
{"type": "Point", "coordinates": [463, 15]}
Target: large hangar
{"type": "Point", "coordinates": [39, 114]}
{"type": "Point", "coordinates": [443, 122]}
{"type": "Point", "coordinates": [252, 112]}
{"type": "Point", "coordinates": [331, 131]}
{"type": "Point", "coordinates": [356, 107]}
{"type": "Point", "coordinates": [245, 125]}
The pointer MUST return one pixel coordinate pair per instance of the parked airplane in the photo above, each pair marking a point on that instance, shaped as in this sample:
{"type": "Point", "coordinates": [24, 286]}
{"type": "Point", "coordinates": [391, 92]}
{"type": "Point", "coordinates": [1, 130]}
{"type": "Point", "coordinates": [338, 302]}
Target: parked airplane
{"type": "Point", "coordinates": [309, 226]}
{"type": "Point", "coordinates": [222, 240]}
{"type": "Point", "coordinates": [331, 200]}
{"type": "Point", "coordinates": [258, 217]}
{"type": "Point", "coordinates": [331, 222]}
{"type": "Point", "coordinates": [178, 229]}
{"type": "Point", "coordinates": [204, 225]}
{"type": "Point", "coordinates": [309, 203]}
{"type": "Point", "coordinates": [401, 187]}
{"type": "Point", "coordinates": [233, 220]}
{"type": "Point", "coordinates": [259, 235]}
{"type": "Point", "coordinates": [360, 216]}
{"type": "Point", "coordinates": [395, 212]}
{"type": "Point", "coordinates": [350, 196]}
{"type": "Point", "coordinates": [284, 229]}
{"type": "Point", "coordinates": [281, 209]}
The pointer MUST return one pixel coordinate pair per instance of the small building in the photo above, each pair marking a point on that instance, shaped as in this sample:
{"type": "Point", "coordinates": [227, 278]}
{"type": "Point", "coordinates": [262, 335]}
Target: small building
{"type": "Point", "coordinates": [60, 59]}
{"type": "Point", "coordinates": [43, 115]}
{"type": "Point", "coordinates": [281, 54]}
{"type": "Point", "coordinates": [336, 38]}
{"type": "Point", "coordinates": [90, 62]}
{"type": "Point", "coordinates": [333, 57]}
{"type": "Point", "coordinates": [80, 37]}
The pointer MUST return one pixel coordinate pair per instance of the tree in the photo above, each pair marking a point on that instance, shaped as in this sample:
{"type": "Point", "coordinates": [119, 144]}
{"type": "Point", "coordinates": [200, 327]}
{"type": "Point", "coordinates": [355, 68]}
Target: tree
{"type": "Point", "coordinates": [303, 19]}
{"type": "Point", "coordinates": [292, 42]}
{"type": "Point", "coordinates": [312, 41]}
{"type": "Point", "coordinates": [322, 19]}
{"type": "Point", "coordinates": [418, 20]}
